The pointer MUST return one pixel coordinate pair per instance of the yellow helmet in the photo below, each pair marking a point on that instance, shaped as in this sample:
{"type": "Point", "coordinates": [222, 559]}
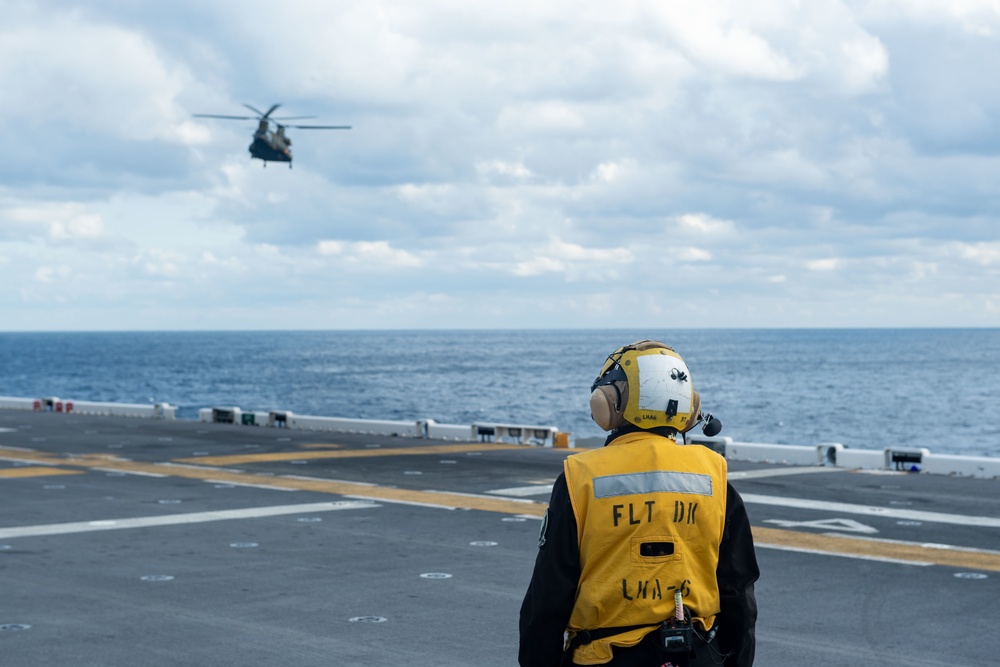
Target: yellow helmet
{"type": "Point", "coordinates": [646, 384]}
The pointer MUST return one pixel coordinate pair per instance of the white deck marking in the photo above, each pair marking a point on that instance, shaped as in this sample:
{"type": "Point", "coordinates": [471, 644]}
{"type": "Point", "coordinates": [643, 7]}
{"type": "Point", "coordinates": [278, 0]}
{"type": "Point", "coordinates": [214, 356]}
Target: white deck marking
{"type": "Point", "coordinates": [130, 472]}
{"type": "Point", "coordinates": [177, 519]}
{"type": "Point", "coordinates": [849, 525]}
{"type": "Point", "coordinates": [395, 501]}
{"type": "Point", "coordinates": [523, 491]}
{"type": "Point", "coordinates": [480, 495]}
{"type": "Point", "coordinates": [325, 480]}
{"type": "Point", "coordinates": [871, 510]}
{"type": "Point", "coordinates": [780, 472]}
{"type": "Point", "coordinates": [818, 552]}
{"type": "Point", "coordinates": [251, 486]}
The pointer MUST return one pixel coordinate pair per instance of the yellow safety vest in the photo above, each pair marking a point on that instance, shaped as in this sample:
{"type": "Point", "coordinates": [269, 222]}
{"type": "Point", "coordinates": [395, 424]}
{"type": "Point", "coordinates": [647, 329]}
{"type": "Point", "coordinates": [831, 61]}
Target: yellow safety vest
{"type": "Point", "coordinates": [649, 515]}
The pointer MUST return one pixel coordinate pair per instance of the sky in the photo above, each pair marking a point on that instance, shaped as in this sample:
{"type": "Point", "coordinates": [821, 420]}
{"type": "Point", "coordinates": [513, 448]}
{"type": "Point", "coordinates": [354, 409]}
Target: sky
{"type": "Point", "coordinates": [544, 164]}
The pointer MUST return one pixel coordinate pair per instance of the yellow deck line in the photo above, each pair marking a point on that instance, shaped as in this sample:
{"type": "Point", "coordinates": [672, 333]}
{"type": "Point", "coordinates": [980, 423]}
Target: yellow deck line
{"type": "Point", "coordinates": [442, 498]}
{"type": "Point", "coordinates": [876, 548]}
{"type": "Point", "coordinates": [833, 545]}
{"type": "Point", "coordinates": [36, 471]}
{"type": "Point", "coordinates": [419, 450]}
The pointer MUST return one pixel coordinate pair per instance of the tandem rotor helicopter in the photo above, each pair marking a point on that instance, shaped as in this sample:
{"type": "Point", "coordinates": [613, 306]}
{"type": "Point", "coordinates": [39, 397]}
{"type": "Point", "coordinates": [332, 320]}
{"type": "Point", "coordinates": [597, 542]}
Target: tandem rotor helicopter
{"type": "Point", "coordinates": [271, 146]}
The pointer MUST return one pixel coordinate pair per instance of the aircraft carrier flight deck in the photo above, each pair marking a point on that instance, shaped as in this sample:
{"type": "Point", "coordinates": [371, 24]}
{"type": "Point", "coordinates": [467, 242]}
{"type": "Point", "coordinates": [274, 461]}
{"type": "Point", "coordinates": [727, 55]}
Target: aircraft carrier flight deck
{"type": "Point", "coordinates": [146, 542]}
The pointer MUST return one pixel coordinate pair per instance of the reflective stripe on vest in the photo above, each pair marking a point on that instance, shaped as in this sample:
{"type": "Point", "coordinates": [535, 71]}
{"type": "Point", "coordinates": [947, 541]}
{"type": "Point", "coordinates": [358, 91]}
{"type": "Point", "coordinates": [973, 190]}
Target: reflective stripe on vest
{"type": "Point", "coordinates": [652, 482]}
{"type": "Point", "coordinates": [650, 515]}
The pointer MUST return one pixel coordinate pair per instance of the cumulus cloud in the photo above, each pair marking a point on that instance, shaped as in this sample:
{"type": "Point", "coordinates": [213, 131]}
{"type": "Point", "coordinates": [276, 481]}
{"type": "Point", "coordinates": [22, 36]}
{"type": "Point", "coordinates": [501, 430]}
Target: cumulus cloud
{"type": "Point", "coordinates": [542, 117]}
{"type": "Point", "coordinates": [95, 76]}
{"type": "Point", "coordinates": [978, 17]}
{"type": "Point", "coordinates": [776, 157]}
{"type": "Point", "coordinates": [60, 224]}
{"type": "Point", "coordinates": [83, 227]}
{"type": "Point", "coordinates": [827, 264]}
{"type": "Point", "coordinates": [709, 33]}
{"type": "Point", "coordinates": [372, 255]}
{"type": "Point", "coordinates": [983, 253]}
{"type": "Point", "coordinates": [822, 43]}
{"type": "Point", "coordinates": [50, 274]}
{"type": "Point", "coordinates": [503, 168]}
{"type": "Point", "coordinates": [572, 260]}
{"type": "Point", "coordinates": [693, 254]}
{"type": "Point", "coordinates": [705, 224]}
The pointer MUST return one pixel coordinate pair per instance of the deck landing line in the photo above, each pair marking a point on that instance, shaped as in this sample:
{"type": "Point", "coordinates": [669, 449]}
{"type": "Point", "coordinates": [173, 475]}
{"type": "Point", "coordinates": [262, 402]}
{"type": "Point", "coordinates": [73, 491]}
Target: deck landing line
{"type": "Point", "coordinates": [317, 454]}
{"type": "Point", "coordinates": [872, 510]}
{"type": "Point", "coordinates": [178, 519]}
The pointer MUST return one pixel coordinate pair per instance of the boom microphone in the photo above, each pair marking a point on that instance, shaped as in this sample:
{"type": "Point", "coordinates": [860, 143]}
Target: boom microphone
{"type": "Point", "coordinates": [712, 426]}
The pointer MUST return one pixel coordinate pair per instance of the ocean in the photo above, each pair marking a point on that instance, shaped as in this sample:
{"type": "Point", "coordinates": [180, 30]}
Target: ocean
{"type": "Point", "coordinates": [864, 388]}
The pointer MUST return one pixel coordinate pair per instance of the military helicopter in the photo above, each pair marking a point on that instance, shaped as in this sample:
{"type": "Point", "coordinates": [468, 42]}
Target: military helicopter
{"type": "Point", "coordinates": [274, 146]}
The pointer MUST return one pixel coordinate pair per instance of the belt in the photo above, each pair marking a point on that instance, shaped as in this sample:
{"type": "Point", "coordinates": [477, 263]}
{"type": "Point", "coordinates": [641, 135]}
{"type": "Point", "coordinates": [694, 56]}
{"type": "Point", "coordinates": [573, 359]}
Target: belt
{"type": "Point", "coordinates": [586, 636]}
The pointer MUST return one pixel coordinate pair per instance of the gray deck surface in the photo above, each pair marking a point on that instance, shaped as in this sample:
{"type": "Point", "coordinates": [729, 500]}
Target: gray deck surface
{"type": "Point", "coordinates": [266, 586]}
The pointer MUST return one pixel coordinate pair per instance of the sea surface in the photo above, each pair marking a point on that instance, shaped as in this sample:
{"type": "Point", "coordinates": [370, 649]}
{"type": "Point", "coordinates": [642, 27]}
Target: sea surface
{"type": "Point", "coordinates": [864, 388]}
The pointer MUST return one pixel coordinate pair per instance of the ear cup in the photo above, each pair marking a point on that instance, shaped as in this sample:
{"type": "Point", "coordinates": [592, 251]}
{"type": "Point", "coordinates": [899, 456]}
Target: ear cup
{"type": "Point", "coordinates": [607, 404]}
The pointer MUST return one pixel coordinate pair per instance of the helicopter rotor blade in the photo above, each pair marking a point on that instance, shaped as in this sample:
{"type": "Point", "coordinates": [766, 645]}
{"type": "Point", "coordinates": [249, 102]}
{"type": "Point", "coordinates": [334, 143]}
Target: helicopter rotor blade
{"type": "Point", "coordinates": [284, 118]}
{"type": "Point", "coordinates": [270, 111]}
{"type": "Point", "coordinates": [260, 114]}
{"type": "Point", "coordinates": [320, 127]}
{"type": "Point", "coordinates": [213, 115]}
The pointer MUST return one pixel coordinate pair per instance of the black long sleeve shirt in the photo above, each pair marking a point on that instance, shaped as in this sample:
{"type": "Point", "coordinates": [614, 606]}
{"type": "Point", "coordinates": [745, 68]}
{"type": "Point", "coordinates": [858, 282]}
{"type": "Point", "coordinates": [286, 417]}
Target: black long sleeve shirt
{"type": "Point", "coordinates": [551, 593]}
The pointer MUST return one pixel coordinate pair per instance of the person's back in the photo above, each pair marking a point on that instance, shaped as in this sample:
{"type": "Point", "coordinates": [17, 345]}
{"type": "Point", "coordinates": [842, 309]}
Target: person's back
{"type": "Point", "coordinates": [646, 556]}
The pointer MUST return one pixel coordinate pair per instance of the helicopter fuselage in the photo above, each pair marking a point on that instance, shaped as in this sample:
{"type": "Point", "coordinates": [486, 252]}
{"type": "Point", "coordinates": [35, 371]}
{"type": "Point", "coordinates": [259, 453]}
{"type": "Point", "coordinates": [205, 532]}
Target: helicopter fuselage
{"type": "Point", "coordinates": [269, 148]}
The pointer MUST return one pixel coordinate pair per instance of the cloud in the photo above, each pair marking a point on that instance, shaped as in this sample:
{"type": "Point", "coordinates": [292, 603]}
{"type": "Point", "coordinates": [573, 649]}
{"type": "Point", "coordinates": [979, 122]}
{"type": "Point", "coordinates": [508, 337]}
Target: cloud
{"type": "Point", "coordinates": [61, 224]}
{"type": "Point", "coordinates": [573, 261]}
{"type": "Point", "coordinates": [500, 167]}
{"type": "Point", "coordinates": [94, 76]}
{"type": "Point", "coordinates": [371, 255]}
{"type": "Point", "coordinates": [705, 224]}
{"type": "Point", "coordinates": [821, 43]}
{"type": "Point", "coordinates": [84, 227]}
{"type": "Point", "coordinates": [709, 34]}
{"type": "Point", "coordinates": [542, 117]}
{"type": "Point", "coordinates": [51, 274]}
{"type": "Point", "coordinates": [984, 253]}
{"type": "Point", "coordinates": [828, 264]}
{"type": "Point", "coordinates": [693, 255]}
{"type": "Point", "coordinates": [977, 17]}
{"type": "Point", "coordinates": [606, 172]}
{"type": "Point", "coordinates": [774, 158]}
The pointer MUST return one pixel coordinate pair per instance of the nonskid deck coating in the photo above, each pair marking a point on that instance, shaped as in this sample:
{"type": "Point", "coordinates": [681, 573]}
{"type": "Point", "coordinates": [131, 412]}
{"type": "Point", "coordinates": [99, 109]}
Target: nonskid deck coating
{"type": "Point", "coordinates": [820, 576]}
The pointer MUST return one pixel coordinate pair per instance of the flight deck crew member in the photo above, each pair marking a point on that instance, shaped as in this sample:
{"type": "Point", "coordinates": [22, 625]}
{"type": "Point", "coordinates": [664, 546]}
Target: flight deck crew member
{"type": "Point", "coordinates": [645, 555]}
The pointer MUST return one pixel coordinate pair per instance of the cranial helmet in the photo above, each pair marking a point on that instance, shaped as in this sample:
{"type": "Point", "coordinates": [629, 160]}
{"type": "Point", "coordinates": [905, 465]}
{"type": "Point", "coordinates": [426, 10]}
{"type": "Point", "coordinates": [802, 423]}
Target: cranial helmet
{"type": "Point", "coordinates": [646, 384]}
